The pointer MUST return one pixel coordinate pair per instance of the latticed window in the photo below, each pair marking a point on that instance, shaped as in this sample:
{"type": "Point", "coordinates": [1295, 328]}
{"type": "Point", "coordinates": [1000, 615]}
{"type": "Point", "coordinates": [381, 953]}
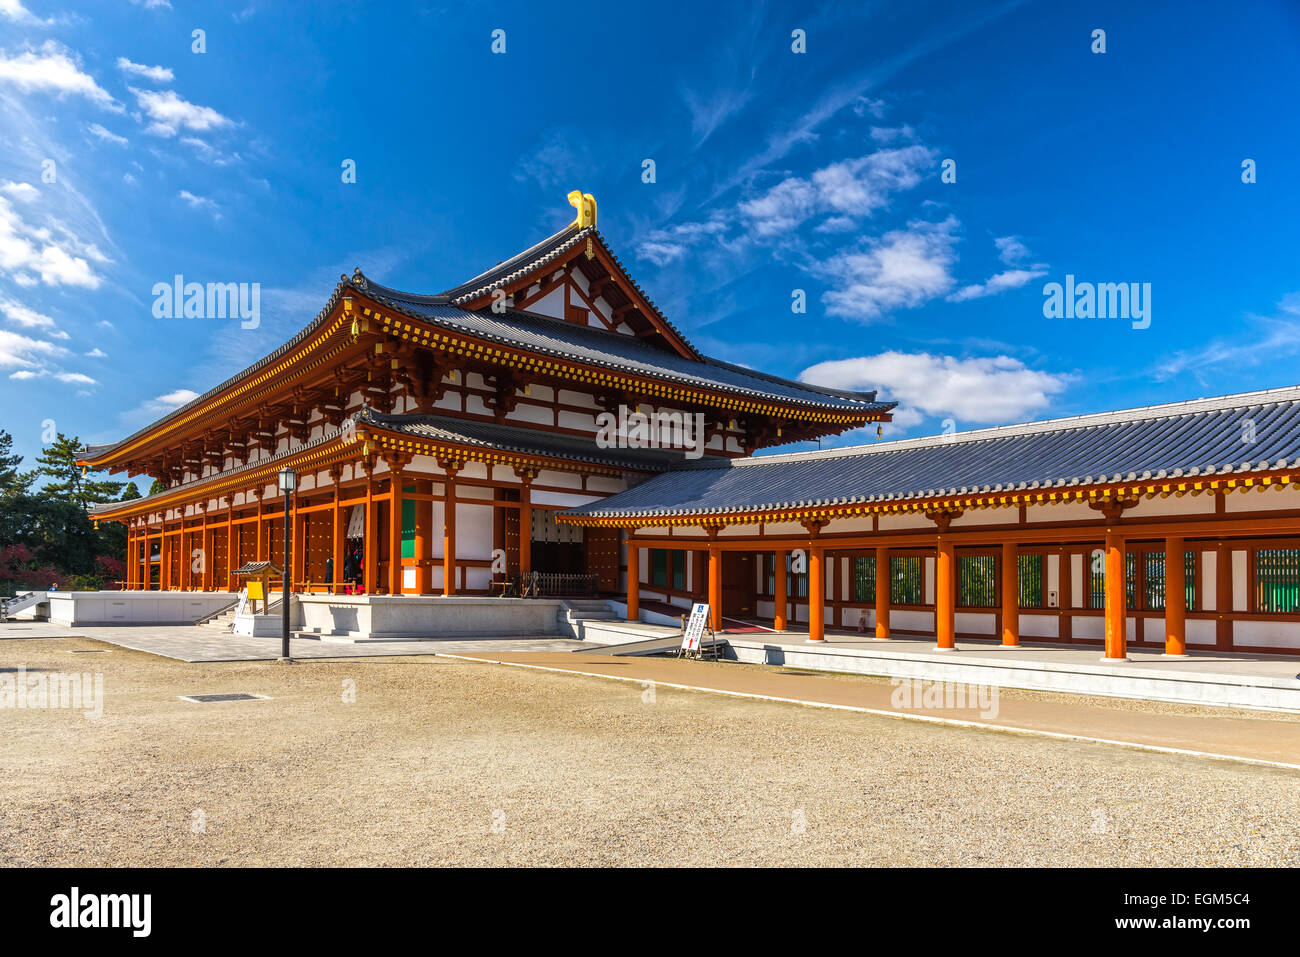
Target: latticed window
{"type": "Point", "coordinates": [977, 581]}
{"type": "Point", "coordinates": [796, 584]}
{"type": "Point", "coordinates": [864, 578]}
{"type": "Point", "coordinates": [906, 580]}
{"type": "Point", "coordinates": [658, 566]}
{"type": "Point", "coordinates": [678, 562]}
{"type": "Point", "coordinates": [1277, 580]}
{"type": "Point", "coordinates": [1153, 585]}
{"type": "Point", "coordinates": [1095, 576]}
{"type": "Point", "coordinates": [1031, 580]}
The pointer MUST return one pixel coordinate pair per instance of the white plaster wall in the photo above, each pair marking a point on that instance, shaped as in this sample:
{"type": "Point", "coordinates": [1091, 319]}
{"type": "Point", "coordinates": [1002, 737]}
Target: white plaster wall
{"type": "Point", "coordinates": [1266, 634]}
{"type": "Point", "coordinates": [976, 623]}
{"type": "Point", "coordinates": [1240, 580]}
{"type": "Point", "coordinates": [1040, 626]}
{"type": "Point", "coordinates": [1209, 581]}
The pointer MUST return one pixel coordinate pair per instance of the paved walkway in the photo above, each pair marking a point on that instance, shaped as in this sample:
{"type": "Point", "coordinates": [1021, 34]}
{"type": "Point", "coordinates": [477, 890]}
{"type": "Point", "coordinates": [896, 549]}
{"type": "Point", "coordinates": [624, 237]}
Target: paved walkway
{"type": "Point", "coordinates": [194, 643]}
{"type": "Point", "coordinates": [1141, 659]}
{"type": "Point", "coordinates": [1266, 738]}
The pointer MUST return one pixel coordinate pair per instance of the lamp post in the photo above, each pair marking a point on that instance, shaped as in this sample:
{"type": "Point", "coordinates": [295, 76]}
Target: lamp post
{"type": "Point", "coordinates": [288, 483]}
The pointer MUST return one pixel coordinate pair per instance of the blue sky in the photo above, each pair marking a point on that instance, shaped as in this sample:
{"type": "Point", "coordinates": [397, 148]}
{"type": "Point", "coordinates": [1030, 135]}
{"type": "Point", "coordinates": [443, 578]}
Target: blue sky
{"type": "Point", "coordinates": [775, 171]}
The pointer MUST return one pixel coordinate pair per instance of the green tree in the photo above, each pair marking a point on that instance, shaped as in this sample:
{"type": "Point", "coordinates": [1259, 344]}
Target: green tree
{"type": "Point", "coordinates": [12, 481]}
{"type": "Point", "coordinates": [131, 491]}
{"type": "Point", "coordinates": [157, 487]}
{"type": "Point", "coordinates": [65, 479]}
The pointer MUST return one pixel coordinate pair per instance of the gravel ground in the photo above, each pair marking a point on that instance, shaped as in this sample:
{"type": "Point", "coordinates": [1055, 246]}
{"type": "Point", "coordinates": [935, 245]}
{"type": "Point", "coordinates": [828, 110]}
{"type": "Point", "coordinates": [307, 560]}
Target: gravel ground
{"type": "Point", "coordinates": [444, 762]}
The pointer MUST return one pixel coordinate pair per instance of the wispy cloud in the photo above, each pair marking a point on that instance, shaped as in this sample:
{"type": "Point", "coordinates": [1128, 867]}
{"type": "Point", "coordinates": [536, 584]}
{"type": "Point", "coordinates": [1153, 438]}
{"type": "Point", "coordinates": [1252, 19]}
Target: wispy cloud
{"type": "Point", "coordinates": [200, 202]}
{"type": "Point", "coordinates": [158, 74]}
{"type": "Point", "coordinates": [1264, 339]}
{"type": "Point", "coordinates": [105, 135]}
{"type": "Point", "coordinates": [1011, 250]}
{"type": "Point", "coordinates": [29, 318]}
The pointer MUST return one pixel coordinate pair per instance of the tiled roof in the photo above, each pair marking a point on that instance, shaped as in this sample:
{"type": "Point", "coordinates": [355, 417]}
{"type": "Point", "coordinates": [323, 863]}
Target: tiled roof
{"type": "Point", "coordinates": [614, 350]}
{"type": "Point", "coordinates": [1205, 437]}
{"type": "Point", "coordinates": [508, 438]}
{"type": "Point", "coordinates": [517, 266]}
{"type": "Point", "coordinates": [468, 432]}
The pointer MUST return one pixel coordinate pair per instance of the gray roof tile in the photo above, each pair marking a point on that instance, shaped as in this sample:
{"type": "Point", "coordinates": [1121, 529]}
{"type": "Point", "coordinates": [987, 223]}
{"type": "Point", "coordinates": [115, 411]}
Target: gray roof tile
{"type": "Point", "coordinates": [1199, 438]}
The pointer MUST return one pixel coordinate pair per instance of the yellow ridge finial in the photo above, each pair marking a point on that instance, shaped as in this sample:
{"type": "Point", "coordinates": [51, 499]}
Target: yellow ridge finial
{"type": "Point", "coordinates": [585, 204]}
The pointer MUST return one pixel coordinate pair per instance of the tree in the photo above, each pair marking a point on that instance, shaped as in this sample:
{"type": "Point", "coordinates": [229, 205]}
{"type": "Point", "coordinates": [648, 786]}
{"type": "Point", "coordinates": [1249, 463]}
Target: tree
{"type": "Point", "coordinates": [65, 479]}
{"type": "Point", "coordinates": [157, 487]}
{"type": "Point", "coordinates": [12, 481]}
{"type": "Point", "coordinates": [131, 491]}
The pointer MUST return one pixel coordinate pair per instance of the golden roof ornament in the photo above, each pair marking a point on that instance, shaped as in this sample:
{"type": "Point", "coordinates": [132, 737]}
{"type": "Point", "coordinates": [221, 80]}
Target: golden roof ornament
{"type": "Point", "coordinates": [585, 204]}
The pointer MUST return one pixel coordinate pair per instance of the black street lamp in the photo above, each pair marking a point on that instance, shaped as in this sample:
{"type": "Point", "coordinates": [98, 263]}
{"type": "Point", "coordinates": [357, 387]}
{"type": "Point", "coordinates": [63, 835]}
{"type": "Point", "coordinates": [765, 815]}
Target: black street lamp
{"type": "Point", "coordinates": [288, 483]}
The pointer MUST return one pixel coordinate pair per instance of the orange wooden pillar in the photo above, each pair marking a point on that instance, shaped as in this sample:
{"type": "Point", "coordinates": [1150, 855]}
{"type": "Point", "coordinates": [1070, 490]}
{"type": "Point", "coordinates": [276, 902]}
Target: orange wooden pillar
{"type": "Point", "coordinates": [422, 543]}
{"type": "Point", "coordinates": [715, 589]}
{"type": "Point", "coordinates": [633, 578]}
{"type": "Point", "coordinates": [338, 534]}
{"type": "Point", "coordinates": [526, 525]}
{"type": "Point", "coordinates": [370, 553]}
{"type": "Point", "coordinates": [780, 586]}
{"type": "Point", "coordinates": [816, 594]}
{"type": "Point", "coordinates": [230, 551]}
{"type": "Point", "coordinates": [449, 532]}
{"type": "Point", "coordinates": [882, 592]}
{"type": "Point", "coordinates": [259, 541]}
{"type": "Point", "coordinates": [208, 572]}
{"type": "Point", "coordinates": [1010, 595]}
{"type": "Point", "coordinates": [945, 623]}
{"type": "Point", "coordinates": [1175, 599]}
{"type": "Point", "coordinates": [395, 534]}
{"type": "Point", "coordinates": [1116, 638]}
{"type": "Point", "coordinates": [164, 560]}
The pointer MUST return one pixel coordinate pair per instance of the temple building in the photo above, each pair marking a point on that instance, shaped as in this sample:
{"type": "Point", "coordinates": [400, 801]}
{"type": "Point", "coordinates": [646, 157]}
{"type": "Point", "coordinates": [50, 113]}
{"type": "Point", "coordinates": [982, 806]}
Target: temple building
{"type": "Point", "coordinates": [511, 429]}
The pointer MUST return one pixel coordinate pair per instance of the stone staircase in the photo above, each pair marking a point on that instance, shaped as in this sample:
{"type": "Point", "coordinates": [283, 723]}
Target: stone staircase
{"type": "Point", "coordinates": [574, 613]}
{"type": "Point", "coordinates": [224, 620]}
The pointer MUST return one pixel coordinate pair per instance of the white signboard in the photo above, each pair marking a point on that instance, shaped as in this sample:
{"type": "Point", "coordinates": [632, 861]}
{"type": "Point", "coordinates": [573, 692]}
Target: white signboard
{"type": "Point", "coordinates": [695, 627]}
{"type": "Point", "coordinates": [243, 602]}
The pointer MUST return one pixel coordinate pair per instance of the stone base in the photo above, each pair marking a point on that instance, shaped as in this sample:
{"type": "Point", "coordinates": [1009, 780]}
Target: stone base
{"type": "Point", "coordinates": [259, 626]}
{"type": "Point", "coordinates": [411, 617]}
{"type": "Point", "coordinates": [135, 607]}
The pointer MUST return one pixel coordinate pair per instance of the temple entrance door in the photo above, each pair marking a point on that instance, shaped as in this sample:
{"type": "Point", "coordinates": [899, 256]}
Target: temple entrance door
{"type": "Point", "coordinates": [602, 547]}
{"type": "Point", "coordinates": [738, 585]}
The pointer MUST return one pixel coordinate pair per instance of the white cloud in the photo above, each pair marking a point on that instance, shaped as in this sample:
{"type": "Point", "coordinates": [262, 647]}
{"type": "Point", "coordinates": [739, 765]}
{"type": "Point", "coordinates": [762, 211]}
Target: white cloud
{"type": "Point", "coordinates": [106, 136]}
{"type": "Point", "coordinates": [849, 188]}
{"type": "Point", "coordinates": [900, 270]}
{"type": "Point", "coordinates": [24, 351]}
{"type": "Point", "coordinates": [97, 353]}
{"type": "Point", "coordinates": [20, 191]}
{"type": "Point", "coordinates": [53, 254]}
{"type": "Point", "coordinates": [53, 69]}
{"type": "Point", "coordinates": [1008, 279]}
{"type": "Point", "coordinates": [171, 113]}
{"type": "Point", "coordinates": [153, 4]}
{"type": "Point", "coordinates": [982, 390]}
{"type": "Point", "coordinates": [15, 11]}
{"type": "Point", "coordinates": [1011, 251]}
{"type": "Point", "coordinates": [663, 246]}
{"type": "Point", "coordinates": [200, 202]}
{"type": "Point", "coordinates": [29, 318]}
{"type": "Point", "coordinates": [175, 399]}
{"type": "Point", "coordinates": [158, 74]}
